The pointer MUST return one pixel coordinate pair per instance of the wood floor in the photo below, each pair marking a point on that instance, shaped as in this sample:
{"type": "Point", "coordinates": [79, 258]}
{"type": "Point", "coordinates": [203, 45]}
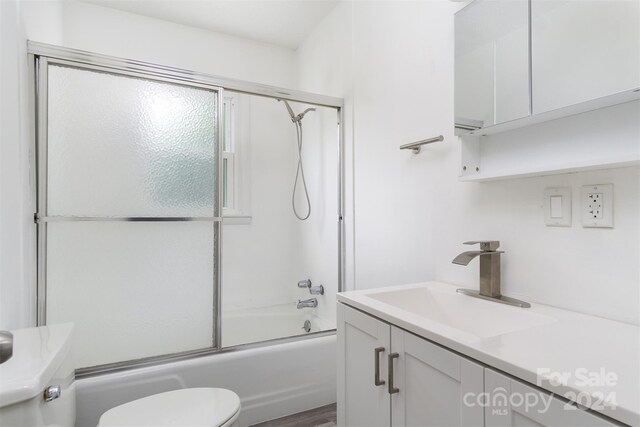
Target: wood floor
{"type": "Point", "coordinates": [324, 416]}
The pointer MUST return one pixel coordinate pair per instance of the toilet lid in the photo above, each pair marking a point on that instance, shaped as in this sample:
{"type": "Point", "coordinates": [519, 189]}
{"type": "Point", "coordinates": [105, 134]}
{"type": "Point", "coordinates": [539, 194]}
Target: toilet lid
{"type": "Point", "coordinates": [201, 407]}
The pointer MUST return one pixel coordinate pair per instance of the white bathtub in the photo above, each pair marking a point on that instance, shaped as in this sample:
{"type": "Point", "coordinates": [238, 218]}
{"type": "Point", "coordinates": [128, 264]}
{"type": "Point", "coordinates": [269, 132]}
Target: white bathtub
{"type": "Point", "coordinates": [272, 381]}
{"type": "Point", "coordinates": [267, 323]}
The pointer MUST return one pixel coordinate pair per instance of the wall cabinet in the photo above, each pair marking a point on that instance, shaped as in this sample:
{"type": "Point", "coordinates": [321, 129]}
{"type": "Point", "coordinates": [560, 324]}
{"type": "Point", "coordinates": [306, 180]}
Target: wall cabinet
{"type": "Point", "coordinates": [390, 377]}
{"type": "Point", "coordinates": [517, 59]}
{"type": "Point", "coordinates": [522, 64]}
{"type": "Point", "coordinates": [583, 50]}
{"type": "Point", "coordinates": [492, 63]}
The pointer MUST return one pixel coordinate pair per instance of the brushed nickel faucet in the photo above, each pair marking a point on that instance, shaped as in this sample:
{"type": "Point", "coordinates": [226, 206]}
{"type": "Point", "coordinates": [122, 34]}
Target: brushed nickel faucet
{"type": "Point", "coordinates": [307, 303]}
{"type": "Point", "coordinates": [489, 273]}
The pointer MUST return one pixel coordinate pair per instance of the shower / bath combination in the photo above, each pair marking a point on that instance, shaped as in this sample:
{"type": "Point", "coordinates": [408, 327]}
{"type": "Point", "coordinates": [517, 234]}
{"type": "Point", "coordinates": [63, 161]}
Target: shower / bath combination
{"type": "Point", "coordinates": [297, 121]}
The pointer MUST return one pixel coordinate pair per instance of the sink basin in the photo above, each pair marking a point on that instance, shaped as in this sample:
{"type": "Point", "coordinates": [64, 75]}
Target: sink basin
{"type": "Point", "coordinates": [482, 319]}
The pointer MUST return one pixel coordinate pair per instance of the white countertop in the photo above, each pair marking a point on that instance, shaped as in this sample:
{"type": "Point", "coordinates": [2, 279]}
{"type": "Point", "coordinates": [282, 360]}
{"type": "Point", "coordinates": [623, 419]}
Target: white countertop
{"type": "Point", "coordinates": [579, 345]}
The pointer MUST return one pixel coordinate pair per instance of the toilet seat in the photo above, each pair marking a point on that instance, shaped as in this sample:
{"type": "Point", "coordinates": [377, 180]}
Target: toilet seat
{"type": "Point", "coordinates": [196, 407]}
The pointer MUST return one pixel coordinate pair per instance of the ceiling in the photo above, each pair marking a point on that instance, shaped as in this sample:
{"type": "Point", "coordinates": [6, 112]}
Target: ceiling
{"type": "Point", "coordinates": [284, 23]}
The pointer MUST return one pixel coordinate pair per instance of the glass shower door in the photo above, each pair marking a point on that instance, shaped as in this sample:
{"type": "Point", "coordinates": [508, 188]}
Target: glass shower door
{"type": "Point", "coordinates": [128, 211]}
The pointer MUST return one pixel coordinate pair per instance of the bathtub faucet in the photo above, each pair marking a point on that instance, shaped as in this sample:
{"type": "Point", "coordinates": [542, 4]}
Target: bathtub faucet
{"type": "Point", "coordinates": [311, 302]}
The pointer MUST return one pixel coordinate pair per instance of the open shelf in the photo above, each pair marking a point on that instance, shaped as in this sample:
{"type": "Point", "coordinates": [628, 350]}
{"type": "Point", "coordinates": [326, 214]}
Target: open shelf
{"type": "Point", "coordinates": [550, 170]}
{"type": "Point", "coordinates": [601, 138]}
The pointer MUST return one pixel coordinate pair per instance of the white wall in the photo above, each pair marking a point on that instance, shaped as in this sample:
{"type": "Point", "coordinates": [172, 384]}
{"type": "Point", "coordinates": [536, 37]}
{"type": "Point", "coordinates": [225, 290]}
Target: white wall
{"type": "Point", "coordinates": [324, 66]}
{"type": "Point", "coordinates": [112, 32]}
{"type": "Point", "coordinates": [16, 213]}
{"type": "Point", "coordinates": [412, 213]}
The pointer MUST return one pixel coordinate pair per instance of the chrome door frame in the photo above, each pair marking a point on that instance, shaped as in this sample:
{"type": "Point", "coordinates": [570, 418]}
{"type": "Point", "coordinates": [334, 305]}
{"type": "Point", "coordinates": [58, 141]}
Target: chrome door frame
{"type": "Point", "coordinates": [40, 55]}
{"type": "Point", "coordinates": [179, 74]}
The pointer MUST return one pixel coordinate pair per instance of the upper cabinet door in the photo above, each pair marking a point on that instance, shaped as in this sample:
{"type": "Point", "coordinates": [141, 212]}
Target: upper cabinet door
{"type": "Point", "coordinates": [583, 50]}
{"type": "Point", "coordinates": [492, 62]}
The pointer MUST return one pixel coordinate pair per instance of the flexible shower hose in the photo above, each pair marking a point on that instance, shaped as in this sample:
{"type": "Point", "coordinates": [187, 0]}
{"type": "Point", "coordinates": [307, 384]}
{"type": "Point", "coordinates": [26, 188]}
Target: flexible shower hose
{"type": "Point", "coordinates": [300, 174]}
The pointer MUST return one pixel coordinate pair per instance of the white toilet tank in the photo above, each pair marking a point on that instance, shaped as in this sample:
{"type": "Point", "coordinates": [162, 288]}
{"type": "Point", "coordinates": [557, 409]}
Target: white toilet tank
{"type": "Point", "coordinates": [41, 366]}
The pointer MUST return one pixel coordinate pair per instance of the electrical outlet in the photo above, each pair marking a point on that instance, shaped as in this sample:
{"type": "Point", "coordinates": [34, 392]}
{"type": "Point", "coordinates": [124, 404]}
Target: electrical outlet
{"type": "Point", "coordinates": [597, 205]}
{"type": "Point", "coordinates": [594, 205]}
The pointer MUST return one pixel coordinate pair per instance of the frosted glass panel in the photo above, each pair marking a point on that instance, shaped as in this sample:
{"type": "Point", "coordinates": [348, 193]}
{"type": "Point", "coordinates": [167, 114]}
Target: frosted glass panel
{"type": "Point", "coordinates": [133, 290]}
{"type": "Point", "coordinates": [123, 146]}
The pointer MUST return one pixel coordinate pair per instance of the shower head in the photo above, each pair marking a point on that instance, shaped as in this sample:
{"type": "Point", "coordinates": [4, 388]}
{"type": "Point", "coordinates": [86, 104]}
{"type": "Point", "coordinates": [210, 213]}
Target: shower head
{"type": "Point", "coordinates": [301, 115]}
{"type": "Point", "coordinates": [295, 118]}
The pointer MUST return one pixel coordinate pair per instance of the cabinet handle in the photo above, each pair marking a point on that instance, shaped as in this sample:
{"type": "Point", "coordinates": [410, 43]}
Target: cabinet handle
{"type": "Point", "coordinates": [376, 378]}
{"type": "Point", "coordinates": [392, 388]}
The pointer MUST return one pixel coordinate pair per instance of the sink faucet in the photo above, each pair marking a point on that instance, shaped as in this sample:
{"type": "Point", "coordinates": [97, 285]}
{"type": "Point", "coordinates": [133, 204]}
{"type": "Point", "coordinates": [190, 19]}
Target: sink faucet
{"type": "Point", "coordinates": [489, 273]}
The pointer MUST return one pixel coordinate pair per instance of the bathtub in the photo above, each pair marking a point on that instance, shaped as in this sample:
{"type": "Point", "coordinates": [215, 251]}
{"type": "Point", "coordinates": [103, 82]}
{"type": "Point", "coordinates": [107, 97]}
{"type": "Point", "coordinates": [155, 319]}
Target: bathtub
{"type": "Point", "coordinates": [273, 379]}
{"type": "Point", "coordinates": [267, 323]}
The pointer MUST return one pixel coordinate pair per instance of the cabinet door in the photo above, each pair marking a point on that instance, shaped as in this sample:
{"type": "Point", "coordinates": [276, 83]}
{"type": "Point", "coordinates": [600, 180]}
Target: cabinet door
{"type": "Point", "coordinates": [432, 383]}
{"type": "Point", "coordinates": [363, 344]}
{"type": "Point", "coordinates": [512, 403]}
{"type": "Point", "coordinates": [492, 62]}
{"type": "Point", "coordinates": [582, 50]}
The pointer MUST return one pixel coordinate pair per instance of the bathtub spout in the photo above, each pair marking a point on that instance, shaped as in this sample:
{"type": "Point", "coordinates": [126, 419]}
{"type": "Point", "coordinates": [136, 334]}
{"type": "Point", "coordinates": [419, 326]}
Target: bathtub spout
{"type": "Point", "coordinates": [311, 302]}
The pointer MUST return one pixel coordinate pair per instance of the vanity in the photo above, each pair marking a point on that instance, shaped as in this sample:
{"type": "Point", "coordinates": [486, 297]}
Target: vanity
{"type": "Point", "coordinates": [426, 355]}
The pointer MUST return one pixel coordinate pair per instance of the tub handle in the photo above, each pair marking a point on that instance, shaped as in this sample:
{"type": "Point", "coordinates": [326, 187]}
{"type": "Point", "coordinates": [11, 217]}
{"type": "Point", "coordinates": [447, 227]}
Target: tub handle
{"type": "Point", "coordinates": [376, 377]}
{"type": "Point", "coordinates": [392, 388]}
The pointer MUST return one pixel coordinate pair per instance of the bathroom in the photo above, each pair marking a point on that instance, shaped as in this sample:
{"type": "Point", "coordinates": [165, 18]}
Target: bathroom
{"type": "Point", "coordinates": [186, 267]}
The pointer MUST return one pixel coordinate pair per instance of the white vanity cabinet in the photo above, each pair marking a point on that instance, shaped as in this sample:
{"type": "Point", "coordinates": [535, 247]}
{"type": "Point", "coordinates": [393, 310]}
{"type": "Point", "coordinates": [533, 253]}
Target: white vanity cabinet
{"type": "Point", "coordinates": [515, 403]}
{"type": "Point", "coordinates": [583, 50]}
{"type": "Point", "coordinates": [417, 382]}
{"type": "Point", "coordinates": [363, 346]}
{"type": "Point", "coordinates": [390, 377]}
{"type": "Point", "coordinates": [431, 383]}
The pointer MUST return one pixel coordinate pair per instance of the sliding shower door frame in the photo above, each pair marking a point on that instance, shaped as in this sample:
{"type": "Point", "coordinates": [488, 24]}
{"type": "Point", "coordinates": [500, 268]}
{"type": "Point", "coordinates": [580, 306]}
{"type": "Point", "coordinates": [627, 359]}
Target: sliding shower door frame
{"type": "Point", "coordinates": [41, 217]}
{"type": "Point", "coordinates": [39, 57]}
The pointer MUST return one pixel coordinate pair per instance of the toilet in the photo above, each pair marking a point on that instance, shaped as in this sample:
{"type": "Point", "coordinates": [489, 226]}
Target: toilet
{"type": "Point", "coordinates": [41, 361]}
{"type": "Point", "coordinates": [196, 407]}
{"type": "Point", "coordinates": [37, 386]}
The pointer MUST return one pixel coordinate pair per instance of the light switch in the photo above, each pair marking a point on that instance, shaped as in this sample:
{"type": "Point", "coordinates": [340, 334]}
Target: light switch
{"type": "Point", "coordinates": [557, 207]}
